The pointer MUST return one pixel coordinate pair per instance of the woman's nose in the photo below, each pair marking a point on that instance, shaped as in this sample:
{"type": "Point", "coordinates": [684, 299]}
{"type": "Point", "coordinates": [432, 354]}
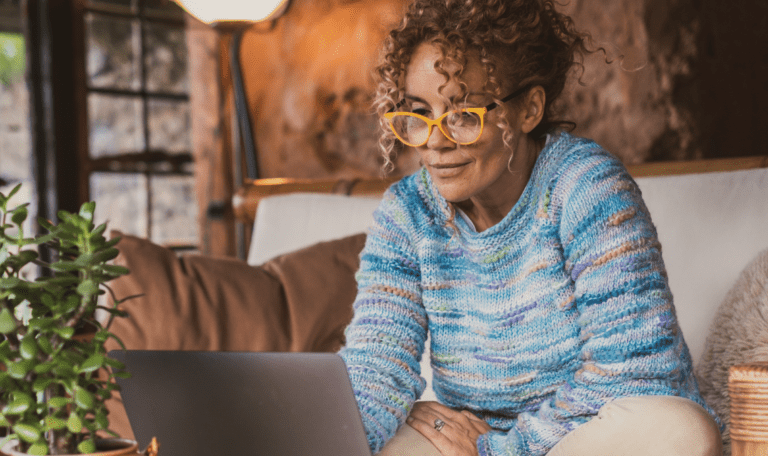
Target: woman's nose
{"type": "Point", "coordinates": [437, 140]}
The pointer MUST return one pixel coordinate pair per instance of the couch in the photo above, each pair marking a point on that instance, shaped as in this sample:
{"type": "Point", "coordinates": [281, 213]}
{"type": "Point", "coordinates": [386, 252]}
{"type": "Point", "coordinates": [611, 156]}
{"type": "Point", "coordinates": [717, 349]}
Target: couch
{"type": "Point", "coordinates": [294, 292]}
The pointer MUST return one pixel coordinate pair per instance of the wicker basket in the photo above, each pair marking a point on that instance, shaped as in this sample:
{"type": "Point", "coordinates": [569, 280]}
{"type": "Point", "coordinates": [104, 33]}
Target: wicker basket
{"type": "Point", "coordinates": [748, 391]}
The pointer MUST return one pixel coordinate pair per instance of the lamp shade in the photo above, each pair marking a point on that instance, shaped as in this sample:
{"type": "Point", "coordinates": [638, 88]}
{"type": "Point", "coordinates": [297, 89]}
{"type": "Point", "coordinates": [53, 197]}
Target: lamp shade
{"type": "Point", "coordinates": [212, 11]}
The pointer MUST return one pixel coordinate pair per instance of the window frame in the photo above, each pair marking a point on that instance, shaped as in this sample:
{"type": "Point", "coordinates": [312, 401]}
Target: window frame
{"type": "Point", "coordinates": [59, 80]}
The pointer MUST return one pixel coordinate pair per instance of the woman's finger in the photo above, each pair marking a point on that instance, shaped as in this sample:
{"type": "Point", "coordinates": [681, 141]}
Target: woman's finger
{"type": "Point", "coordinates": [429, 411]}
{"type": "Point", "coordinates": [478, 423]}
{"type": "Point", "coordinates": [424, 423]}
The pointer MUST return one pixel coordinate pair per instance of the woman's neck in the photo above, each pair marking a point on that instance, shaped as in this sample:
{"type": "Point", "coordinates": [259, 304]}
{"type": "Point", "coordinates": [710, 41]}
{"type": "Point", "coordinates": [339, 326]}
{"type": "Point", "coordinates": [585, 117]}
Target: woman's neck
{"type": "Point", "coordinates": [486, 211]}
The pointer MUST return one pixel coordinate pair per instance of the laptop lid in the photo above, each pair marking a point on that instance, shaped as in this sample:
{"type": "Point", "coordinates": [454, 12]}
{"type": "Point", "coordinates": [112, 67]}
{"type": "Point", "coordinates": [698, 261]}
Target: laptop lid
{"type": "Point", "coordinates": [238, 403]}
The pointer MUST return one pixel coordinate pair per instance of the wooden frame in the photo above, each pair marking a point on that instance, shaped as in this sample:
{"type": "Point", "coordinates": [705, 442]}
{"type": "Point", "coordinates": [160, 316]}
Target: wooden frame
{"type": "Point", "coordinates": [246, 199]}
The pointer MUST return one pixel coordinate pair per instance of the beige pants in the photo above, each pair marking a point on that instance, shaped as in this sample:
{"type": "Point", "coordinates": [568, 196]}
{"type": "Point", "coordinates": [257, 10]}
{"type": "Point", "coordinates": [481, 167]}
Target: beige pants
{"type": "Point", "coordinates": [631, 426]}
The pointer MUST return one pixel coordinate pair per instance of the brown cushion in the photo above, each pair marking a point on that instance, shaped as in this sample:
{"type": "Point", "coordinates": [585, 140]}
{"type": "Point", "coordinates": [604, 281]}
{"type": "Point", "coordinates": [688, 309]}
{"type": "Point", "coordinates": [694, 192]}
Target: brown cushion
{"type": "Point", "coordinates": [300, 301]}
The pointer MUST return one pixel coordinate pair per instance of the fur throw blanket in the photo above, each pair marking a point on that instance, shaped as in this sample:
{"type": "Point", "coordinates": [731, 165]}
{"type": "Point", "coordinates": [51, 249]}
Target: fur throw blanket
{"type": "Point", "coordinates": [739, 334]}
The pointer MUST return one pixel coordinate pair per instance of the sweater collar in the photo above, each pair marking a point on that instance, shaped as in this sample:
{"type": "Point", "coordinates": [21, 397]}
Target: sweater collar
{"type": "Point", "coordinates": [443, 210]}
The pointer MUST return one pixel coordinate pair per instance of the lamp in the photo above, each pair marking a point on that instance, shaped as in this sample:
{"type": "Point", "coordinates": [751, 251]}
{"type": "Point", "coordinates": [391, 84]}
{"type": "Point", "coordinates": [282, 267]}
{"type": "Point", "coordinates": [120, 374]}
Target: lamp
{"type": "Point", "coordinates": [211, 12]}
{"type": "Point", "coordinates": [234, 17]}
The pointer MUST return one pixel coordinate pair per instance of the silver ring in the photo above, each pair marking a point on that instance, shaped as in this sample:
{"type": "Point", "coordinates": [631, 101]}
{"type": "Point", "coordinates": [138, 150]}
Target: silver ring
{"type": "Point", "coordinates": [439, 424]}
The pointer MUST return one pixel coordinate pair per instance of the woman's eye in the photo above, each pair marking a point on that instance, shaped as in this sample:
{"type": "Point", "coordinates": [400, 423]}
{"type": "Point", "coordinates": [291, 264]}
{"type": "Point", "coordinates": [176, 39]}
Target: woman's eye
{"type": "Point", "coordinates": [420, 111]}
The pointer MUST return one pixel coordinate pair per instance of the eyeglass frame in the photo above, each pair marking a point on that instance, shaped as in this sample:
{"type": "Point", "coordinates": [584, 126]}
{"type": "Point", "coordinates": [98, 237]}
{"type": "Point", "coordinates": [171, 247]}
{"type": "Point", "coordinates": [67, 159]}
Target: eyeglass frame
{"type": "Point", "coordinates": [480, 111]}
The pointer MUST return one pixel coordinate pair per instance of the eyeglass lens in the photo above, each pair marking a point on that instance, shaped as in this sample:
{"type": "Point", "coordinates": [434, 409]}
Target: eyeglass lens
{"type": "Point", "coordinates": [461, 126]}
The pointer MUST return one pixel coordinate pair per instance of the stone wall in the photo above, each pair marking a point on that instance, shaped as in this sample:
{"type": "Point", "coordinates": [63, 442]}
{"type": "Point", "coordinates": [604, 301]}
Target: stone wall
{"type": "Point", "coordinates": [684, 82]}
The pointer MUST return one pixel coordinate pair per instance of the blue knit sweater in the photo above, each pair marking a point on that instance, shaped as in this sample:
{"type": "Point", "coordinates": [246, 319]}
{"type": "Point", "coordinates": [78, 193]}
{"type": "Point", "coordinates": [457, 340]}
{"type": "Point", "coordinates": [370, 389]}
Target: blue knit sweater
{"type": "Point", "coordinates": [535, 323]}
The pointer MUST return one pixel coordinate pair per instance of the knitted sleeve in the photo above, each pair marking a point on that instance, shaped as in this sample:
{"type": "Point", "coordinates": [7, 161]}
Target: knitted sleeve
{"type": "Point", "coordinates": [631, 342]}
{"type": "Point", "coordinates": [385, 340]}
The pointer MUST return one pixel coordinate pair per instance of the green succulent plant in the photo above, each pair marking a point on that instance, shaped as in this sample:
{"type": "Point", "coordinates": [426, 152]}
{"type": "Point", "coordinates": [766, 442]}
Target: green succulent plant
{"type": "Point", "coordinates": [53, 380]}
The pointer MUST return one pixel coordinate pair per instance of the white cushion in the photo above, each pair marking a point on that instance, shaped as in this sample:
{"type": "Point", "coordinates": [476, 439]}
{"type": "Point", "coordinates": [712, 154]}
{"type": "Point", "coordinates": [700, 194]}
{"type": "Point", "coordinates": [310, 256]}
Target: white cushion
{"type": "Point", "coordinates": [710, 227]}
{"type": "Point", "coordinates": [289, 222]}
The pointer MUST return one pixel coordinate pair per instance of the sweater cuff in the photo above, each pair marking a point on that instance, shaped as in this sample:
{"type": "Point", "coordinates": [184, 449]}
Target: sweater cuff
{"type": "Point", "coordinates": [498, 443]}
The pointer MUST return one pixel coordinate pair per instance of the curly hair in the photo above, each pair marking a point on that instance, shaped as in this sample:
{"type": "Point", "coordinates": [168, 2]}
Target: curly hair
{"type": "Point", "coordinates": [518, 42]}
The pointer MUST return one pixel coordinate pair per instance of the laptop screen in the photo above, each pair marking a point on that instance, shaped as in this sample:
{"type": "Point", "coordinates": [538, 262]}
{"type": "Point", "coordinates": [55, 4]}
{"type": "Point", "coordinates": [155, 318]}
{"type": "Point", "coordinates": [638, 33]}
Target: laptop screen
{"type": "Point", "coordinates": [238, 403]}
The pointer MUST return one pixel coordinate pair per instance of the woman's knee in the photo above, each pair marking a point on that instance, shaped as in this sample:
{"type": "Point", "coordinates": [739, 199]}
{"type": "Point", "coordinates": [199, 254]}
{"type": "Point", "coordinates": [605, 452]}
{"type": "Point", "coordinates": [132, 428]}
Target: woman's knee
{"type": "Point", "coordinates": [678, 425]}
{"type": "Point", "coordinates": [646, 425]}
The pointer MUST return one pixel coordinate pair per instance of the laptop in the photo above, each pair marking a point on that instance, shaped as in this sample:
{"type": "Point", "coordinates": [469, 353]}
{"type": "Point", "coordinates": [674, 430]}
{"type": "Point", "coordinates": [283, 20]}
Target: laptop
{"type": "Point", "coordinates": [240, 404]}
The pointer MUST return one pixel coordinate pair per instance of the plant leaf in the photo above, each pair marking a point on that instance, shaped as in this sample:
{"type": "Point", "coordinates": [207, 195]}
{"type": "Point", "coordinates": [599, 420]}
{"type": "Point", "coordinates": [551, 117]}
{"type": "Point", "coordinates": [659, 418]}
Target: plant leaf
{"type": "Point", "coordinates": [99, 230]}
{"type": "Point", "coordinates": [22, 258]}
{"type": "Point", "coordinates": [28, 347]}
{"type": "Point", "coordinates": [40, 384]}
{"type": "Point", "coordinates": [84, 259]}
{"type": "Point", "coordinates": [27, 432]}
{"type": "Point", "coordinates": [43, 239]}
{"type": "Point", "coordinates": [65, 266]}
{"type": "Point", "coordinates": [112, 242]}
{"type": "Point", "coordinates": [53, 422]}
{"type": "Point", "coordinates": [43, 368]}
{"type": "Point", "coordinates": [87, 288]}
{"type": "Point", "coordinates": [113, 363]}
{"type": "Point", "coordinates": [106, 255]}
{"type": "Point", "coordinates": [65, 333]}
{"type": "Point", "coordinates": [18, 406]}
{"type": "Point", "coordinates": [113, 311]}
{"type": "Point", "coordinates": [14, 190]}
{"type": "Point", "coordinates": [19, 215]}
{"type": "Point", "coordinates": [91, 364]}
{"type": "Point", "coordinates": [86, 447]}
{"type": "Point", "coordinates": [59, 402]}
{"type": "Point", "coordinates": [65, 216]}
{"type": "Point", "coordinates": [19, 370]}
{"type": "Point", "coordinates": [7, 322]}
{"type": "Point", "coordinates": [87, 209]}
{"type": "Point", "coordinates": [101, 336]}
{"type": "Point", "coordinates": [114, 269]}
{"type": "Point", "coordinates": [83, 398]}
{"type": "Point", "coordinates": [9, 282]}
{"type": "Point", "coordinates": [101, 421]}
{"type": "Point", "coordinates": [45, 345]}
{"type": "Point", "coordinates": [38, 449]}
{"type": "Point", "coordinates": [42, 324]}
{"type": "Point", "coordinates": [74, 423]}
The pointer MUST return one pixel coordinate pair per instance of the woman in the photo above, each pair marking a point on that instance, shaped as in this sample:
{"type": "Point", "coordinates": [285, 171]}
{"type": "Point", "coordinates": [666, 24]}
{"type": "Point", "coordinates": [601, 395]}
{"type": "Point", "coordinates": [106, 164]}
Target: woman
{"type": "Point", "coordinates": [525, 252]}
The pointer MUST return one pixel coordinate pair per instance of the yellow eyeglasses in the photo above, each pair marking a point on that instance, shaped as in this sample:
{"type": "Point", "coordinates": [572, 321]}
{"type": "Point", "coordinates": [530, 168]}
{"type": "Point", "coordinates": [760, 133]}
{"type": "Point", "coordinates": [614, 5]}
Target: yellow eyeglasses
{"type": "Point", "coordinates": [462, 126]}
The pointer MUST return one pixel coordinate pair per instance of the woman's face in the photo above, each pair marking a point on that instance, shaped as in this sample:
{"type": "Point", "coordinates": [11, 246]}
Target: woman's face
{"type": "Point", "coordinates": [478, 171]}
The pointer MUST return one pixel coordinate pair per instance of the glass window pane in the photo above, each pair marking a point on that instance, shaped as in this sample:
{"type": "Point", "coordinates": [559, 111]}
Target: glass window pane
{"type": "Point", "coordinates": [174, 210]}
{"type": "Point", "coordinates": [15, 147]}
{"type": "Point", "coordinates": [166, 58]}
{"type": "Point", "coordinates": [121, 201]}
{"type": "Point", "coordinates": [163, 9]}
{"type": "Point", "coordinates": [114, 48]}
{"type": "Point", "coordinates": [115, 124]}
{"type": "Point", "coordinates": [12, 58]}
{"type": "Point", "coordinates": [169, 126]}
{"type": "Point", "coordinates": [15, 133]}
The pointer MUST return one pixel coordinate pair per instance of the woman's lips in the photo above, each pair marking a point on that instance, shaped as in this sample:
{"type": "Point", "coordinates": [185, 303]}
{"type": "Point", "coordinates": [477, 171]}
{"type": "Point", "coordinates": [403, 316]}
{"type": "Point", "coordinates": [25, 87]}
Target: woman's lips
{"type": "Point", "coordinates": [447, 169]}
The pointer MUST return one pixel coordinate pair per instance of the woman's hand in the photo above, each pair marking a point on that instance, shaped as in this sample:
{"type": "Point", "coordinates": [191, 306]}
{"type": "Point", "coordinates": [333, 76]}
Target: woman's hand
{"type": "Point", "coordinates": [457, 437]}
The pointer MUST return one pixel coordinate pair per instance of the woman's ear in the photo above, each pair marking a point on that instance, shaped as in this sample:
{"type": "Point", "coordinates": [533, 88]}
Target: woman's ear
{"type": "Point", "coordinates": [533, 108]}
